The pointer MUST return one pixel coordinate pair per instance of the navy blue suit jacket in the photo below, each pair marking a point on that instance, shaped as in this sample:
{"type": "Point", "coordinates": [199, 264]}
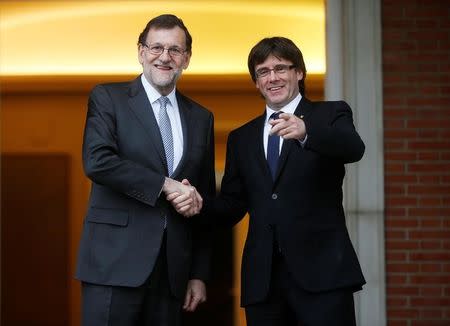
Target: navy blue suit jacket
{"type": "Point", "coordinates": [301, 208]}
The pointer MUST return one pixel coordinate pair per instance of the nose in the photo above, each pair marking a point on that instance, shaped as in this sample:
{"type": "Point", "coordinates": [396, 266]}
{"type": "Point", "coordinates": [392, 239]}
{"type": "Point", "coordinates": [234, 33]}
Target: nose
{"type": "Point", "coordinates": [273, 75]}
{"type": "Point", "coordinates": [165, 56]}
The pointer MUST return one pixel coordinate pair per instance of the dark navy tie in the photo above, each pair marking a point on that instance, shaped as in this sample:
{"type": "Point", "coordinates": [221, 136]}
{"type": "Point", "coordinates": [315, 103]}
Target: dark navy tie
{"type": "Point", "coordinates": [273, 148]}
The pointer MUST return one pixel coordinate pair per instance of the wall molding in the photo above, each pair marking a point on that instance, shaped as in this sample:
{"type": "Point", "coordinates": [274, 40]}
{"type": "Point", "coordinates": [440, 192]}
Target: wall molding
{"type": "Point", "coordinates": [354, 73]}
{"type": "Point", "coordinates": [76, 84]}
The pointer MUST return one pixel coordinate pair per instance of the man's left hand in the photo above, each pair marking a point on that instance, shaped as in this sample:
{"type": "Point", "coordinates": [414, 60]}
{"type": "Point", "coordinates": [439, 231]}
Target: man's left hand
{"type": "Point", "coordinates": [195, 294]}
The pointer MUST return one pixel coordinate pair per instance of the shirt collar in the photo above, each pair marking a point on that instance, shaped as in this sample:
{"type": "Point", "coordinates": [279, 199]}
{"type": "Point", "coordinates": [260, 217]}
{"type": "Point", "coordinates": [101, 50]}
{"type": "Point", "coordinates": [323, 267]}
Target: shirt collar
{"type": "Point", "coordinates": [288, 108]}
{"type": "Point", "coordinates": [153, 95]}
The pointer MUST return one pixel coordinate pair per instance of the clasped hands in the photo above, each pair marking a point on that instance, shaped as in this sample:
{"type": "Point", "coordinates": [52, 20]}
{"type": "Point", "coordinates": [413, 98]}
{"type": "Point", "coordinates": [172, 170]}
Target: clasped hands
{"type": "Point", "coordinates": [183, 196]}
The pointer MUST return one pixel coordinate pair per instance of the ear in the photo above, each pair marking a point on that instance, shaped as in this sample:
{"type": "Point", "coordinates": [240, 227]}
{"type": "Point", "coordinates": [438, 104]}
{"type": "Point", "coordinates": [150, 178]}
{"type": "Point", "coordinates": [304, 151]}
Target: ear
{"type": "Point", "coordinates": [299, 75]}
{"type": "Point", "coordinates": [141, 54]}
{"type": "Point", "coordinates": [187, 59]}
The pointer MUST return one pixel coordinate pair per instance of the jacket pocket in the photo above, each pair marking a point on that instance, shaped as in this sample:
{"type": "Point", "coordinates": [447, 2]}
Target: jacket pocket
{"type": "Point", "coordinates": [107, 216]}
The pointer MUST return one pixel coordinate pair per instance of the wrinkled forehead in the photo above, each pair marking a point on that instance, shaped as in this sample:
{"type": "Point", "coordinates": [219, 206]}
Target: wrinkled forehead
{"type": "Point", "coordinates": [165, 35]}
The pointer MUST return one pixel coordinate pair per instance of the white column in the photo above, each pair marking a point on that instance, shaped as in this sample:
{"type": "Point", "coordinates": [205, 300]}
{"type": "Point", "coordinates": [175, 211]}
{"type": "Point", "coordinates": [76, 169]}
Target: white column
{"type": "Point", "coordinates": [353, 73]}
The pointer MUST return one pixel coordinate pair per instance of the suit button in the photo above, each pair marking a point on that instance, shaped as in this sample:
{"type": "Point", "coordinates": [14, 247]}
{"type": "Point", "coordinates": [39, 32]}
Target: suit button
{"type": "Point", "coordinates": [274, 196]}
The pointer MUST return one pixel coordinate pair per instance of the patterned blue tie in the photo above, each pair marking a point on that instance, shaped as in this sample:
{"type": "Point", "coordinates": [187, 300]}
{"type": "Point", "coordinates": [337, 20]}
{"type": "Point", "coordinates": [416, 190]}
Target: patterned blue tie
{"type": "Point", "coordinates": [166, 132]}
{"type": "Point", "coordinates": [273, 148]}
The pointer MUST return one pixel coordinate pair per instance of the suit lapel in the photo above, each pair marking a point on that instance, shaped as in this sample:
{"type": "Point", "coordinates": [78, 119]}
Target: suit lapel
{"type": "Point", "coordinates": [259, 148]}
{"type": "Point", "coordinates": [302, 111]}
{"type": "Point", "coordinates": [141, 107]}
{"type": "Point", "coordinates": [258, 152]}
{"type": "Point", "coordinates": [187, 126]}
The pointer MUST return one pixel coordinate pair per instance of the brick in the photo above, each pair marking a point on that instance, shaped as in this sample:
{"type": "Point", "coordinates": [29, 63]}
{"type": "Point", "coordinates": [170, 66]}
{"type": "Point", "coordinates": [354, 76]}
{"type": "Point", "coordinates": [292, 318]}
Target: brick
{"type": "Point", "coordinates": [397, 323]}
{"type": "Point", "coordinates": [430, 302]}
{"type": "Point", "coordinates": [402, 245]}
{"type": "Point", "coordinates": [401, 133]}
{"type": "Point", "coordinates": [394, 101]}
{"type": "Point", "coordinates": [400, 156]}
{"type": "Point", "coordinates": [446, 245]}
{"type": "Point", "coordinates": [395, 167]}
{"type": "Point", "coordinates": [430, 201]}
{"type": "Point", "coordinates": [396, 301]}
{"type": "Point", "coordinates": [429, 234]}
{"type": "Point", "coordinates": [430, 256]}
{"type": "Point", "coordinates": [401, 201]}
{"type": "Point", "coordinates": [401, 223]}
{"type": "Point", "coordinates": [401, 178]}
{"type": "Point", "coordinates": [435, 123]}
{"type": "Point", "coordinates": [433, 291]}
{"type": "Point", "coordinates": [431, 245]}
{"type": "Point", "coordinates": [402, 290]}
{"type": "Point", "coordinates": [431, 223]}
{"type": "Point", "coordinates": [394, 123]}
{"type": "Point", "coordinates": [395, 256]}
{"type": "Point", "coordinates": [431, 314]}
{"type": "Point", "coordinates": [430, 167]}
{"type": "Point", "coordinates": [403, 268]}
{"type": "Point", "coordinates": [428, 189]}
{"type": "Point", "coordinates": [428, 133]}
{"type": "Point", "coordinates": [428, 211]}
{"type": "Point", "coordinates": [428, 322]}
{"type": "Point", "coordinates": [402, 313]}
{"type": "Point", "coordinates": [396, 279]}
{"type": "Point", "coordinates": [431, 268]}
{"type": "Point", "coordinates": [428, 145]}
{"type": "Point", "coordinates": [430, 280]}
{"type": "Point", "coordinates": [428, 156]}
{"type": "Point", "coordinates": [395, 212]}
{"type": "Point", "coordinates": [396, 235]}
{"type": "Point", "coordinates": [395, 189]}
{"type": "Point", "coordinates": [430, 179]}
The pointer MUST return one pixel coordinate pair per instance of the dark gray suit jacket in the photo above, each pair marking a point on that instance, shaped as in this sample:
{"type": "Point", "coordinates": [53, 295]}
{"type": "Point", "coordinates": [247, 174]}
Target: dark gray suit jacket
{"type": "Point", "coordinates": [124, 157]}
{"type": "Point", "coordinates": [301, 208]}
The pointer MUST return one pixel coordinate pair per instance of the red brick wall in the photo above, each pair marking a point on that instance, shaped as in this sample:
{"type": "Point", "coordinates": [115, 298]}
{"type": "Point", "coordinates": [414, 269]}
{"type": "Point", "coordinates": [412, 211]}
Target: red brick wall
{"type": "Point", "coordinates": [416, 79]}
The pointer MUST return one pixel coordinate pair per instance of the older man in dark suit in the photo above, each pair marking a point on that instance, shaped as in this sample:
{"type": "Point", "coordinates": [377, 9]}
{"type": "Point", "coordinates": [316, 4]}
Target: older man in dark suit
{"type": "Point", "coordinates": [286, 168]}
{"type": "Point", "coordinates": [141, 262]}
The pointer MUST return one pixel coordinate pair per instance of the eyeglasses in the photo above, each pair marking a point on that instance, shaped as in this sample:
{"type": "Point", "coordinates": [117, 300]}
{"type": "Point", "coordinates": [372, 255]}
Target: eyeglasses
{"type": "Point", "coordinates": [278, 69]}
{"type": "Point", "coordinates": [158, 49]}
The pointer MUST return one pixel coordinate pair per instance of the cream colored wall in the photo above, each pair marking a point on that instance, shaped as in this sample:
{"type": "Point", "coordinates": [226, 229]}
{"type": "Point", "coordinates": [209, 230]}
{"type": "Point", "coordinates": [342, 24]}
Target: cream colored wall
{"type": "Point", "coordinates": [99, 37]}
{"type": "Point", "coordinates": [51, 123]}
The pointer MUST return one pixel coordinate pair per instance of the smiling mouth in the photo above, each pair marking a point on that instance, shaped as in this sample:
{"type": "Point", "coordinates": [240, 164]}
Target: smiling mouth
{"type": "Point", "coordinates": [275, 88]}
{"type": "Point", "coordinates": [161, 67]}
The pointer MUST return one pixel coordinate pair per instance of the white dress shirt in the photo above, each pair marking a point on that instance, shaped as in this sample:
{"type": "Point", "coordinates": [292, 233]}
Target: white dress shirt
{"type": "Point", "coordinates": [288, 108]}
{"type": "Point", "coordinates": [174, 116]}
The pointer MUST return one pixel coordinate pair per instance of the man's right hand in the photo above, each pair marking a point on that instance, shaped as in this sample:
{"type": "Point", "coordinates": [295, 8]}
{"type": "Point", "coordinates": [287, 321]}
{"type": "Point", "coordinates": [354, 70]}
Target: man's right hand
{"type": "Point", "coordinates": [183, 197]}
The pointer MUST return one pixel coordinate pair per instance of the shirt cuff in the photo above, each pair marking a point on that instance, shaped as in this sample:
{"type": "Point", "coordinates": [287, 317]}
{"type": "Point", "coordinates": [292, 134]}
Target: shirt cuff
{"type": "Point", "coordinates": [303, 142]}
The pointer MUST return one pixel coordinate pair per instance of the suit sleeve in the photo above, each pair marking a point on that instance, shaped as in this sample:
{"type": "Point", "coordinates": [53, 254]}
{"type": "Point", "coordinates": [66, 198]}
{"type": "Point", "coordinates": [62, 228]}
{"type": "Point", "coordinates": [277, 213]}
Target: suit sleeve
{"type": "Point", "coordinates": [202, 239]}
{"type": "Point", "coordinates": [331, 133]}
{"type": "Point", "coordinates": [101, 157]}
{"type": "Point", "coordinates": [231, 205]}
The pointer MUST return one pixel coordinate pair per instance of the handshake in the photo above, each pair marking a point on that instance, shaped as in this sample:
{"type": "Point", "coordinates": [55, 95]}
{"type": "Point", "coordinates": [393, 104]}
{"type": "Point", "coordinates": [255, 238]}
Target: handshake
{"type": "Point", "coordinates": [183, 196]}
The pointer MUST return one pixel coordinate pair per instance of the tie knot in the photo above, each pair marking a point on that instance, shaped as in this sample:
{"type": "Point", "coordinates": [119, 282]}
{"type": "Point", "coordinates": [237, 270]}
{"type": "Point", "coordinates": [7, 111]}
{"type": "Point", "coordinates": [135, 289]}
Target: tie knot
{"type": "Point", "coordinates": [275, 115]}
{"type": "Point", "coordinates": [163, 101]}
